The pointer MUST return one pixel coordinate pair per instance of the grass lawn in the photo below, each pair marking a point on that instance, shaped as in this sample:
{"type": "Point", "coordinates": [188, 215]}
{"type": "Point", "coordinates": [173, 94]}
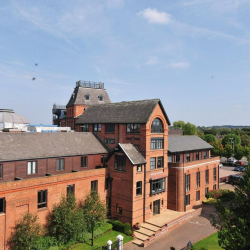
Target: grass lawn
{"type": "Point", "coordinates": [211, 242]}
{"type": "Point", "coordinates": [102, 240]}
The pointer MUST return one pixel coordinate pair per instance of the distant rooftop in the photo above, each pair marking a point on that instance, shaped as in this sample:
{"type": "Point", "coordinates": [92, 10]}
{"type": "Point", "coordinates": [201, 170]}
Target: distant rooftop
{"type": "Point", "coordinates": [89, 84]}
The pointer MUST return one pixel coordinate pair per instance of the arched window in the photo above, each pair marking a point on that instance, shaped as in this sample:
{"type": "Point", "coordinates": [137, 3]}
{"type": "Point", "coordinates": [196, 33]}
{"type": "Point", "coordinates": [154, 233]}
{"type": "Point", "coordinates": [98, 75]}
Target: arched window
{"type": "Point", "coordinates": [87, 97]}
{"type": "Point", "coordinates": [157, 126]}
{"type": "Point", "coordinates": [100, 97]}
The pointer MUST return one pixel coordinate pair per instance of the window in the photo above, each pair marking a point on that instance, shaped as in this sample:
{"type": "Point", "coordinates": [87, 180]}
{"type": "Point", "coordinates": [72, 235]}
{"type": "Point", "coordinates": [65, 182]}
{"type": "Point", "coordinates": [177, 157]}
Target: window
{"type": "Point", "coordinates": [110, 128]}
{"type": "Point", "coordinates": [133, 128]}
{"type": "Point", "coordinates": [205, 154]}
{"type": "Point", "coordinates": [170, 158]}
{"type": "Point", "coordinates": [215, 170]}
{"type": "Point", "coordinates": [207, 177]}
{"type": "Point", "coordinates": [120, 162]}
{"type": "Point", "coordinates": [86, 97]}
{"type": "Point", "coordinates": [71, 189]}
{"type": "Point", "coordinates": [118, 209]}
{"type": "Point", "coordinates": [198, 195]}
{"type": "Point", "coordinates": [206, 191]}
{"type": "Point", "coordinates": [2, 205]}
{"type": "Point", "coordinates": [139, 168]}
{"type": "Point", "coordinates": [84, 161]}
{"type": "Point", "coordinates": [100, 97]}
{"type": "Point", "coordinates": [42, 199]}
{"type": "Point", "coordinates": [178, 158]}
{"type": "Point", "coordinates": [160, 162]}
{"type": "Point", "coordinates": [97, 127]}
{"type": "Point", "coordinates": [187, 199]}
{"type": "Point", "coordinates": [214, 187]}
{"type": "Point", "coordinates": [152, 163]}
{"type": "Point", "coordinates": [156, 126]}
{"type": "Point", "coordinates": [198, 179]}
{"type": "Point", "coordinates": [138, 187]}
{"type": "Point", "coordinates": [109, 140]}
{"type": "Point", "coordinates": [197, 156]}
{"type": "Point", "coordinates": [156, 143]}
{"type": "Point", "coordinates": [188, 157]}
{"type": "Point", "coordinates": [31, 167]}
{"type": "Point", "coordinates": [1, 171]}
{"type": "Point", "coordinates": [106, 183]}
{"type": "Point", "coordinates": [157, 186]}
{"type": "Point", "coordinates": [60, 164]}
{"type": "Point", "coordinates": [85, 128]}
{"type": "Point", "coordinates": [187, 182]}
{"type": "Point", "coordinates": [94, 186]}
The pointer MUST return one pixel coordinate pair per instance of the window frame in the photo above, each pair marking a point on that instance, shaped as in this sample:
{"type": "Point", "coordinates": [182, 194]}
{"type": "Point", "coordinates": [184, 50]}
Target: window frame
{"type": "Point", "coordinates": [85, 128]}
{"type": "Point", "coordinates": [197, 156]}
{"type": "Point", "coordinates": [109, 140]}
{"type": "Point", "coordinates": [139, 168]}
{"type": "Point", "coordinates": [71, 189]}
{"type": "Point", "coordinates": [214, 187]}
{"type": "Point", "coordinates": [43, 198]}
{"type": "Point", "coordinates": [205, 155]}
{"type": "Point", "coordinates": [160, 159]}
{"type": "Point", "coordinates": [110, 128]}
{"type": "Point", "coordinates": [215, 174]}
{"type": "Point", "coordinates": [97, 127]}
{"type": "Point", "coordinates": [154, 183]}
{"type": "Point", "coordinates": [152, 163]}
{"type": "Point", "coordinates": [206, 190]}
{"type": "Point", "coordinates": [100, 98]}
{"type": "Point", "coordinates": [84, 161]}
{"type": "Point", "coordinates": [178, 158]}
{"type": "Point", "coordinates": [187, 200]}
{"type": "Point", "coordinates": [2, 205]}
{"type": "Point", "coordinates": [120, 163]}
{"type": "Point", "coordinates": [198, 195]}
{"type": "Point", "coordinates": [32, 170]}
{"type": "Point", "coordinates": [86, 96]}
{"type": "Point", "coordinates": [60, 166]}
{"type": "Point", "coordinates": [187, 157]}
{"type": "Point", "coordinates": [94, 186]}
{"type": "Point", "coordinates": [157, 143]}
{"type": "Point", "coordinates": [138, 188]}
{"type": "Point", "coordinates": [118, 210]}
{"type": "Point", "coordinates": [187, 182]}
{"type": "Point", "coordinates": [133, 128]}
{"type": "Point", "coordinates": [198, 179]}
{"type": "Point", "coordinates": [157, 128]}
{"type": "Point", "coordinates": [207, 176]}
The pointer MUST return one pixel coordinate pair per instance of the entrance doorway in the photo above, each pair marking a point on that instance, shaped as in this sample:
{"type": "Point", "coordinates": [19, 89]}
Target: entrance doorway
{"type": "Point", "coordinates": [156, 207]}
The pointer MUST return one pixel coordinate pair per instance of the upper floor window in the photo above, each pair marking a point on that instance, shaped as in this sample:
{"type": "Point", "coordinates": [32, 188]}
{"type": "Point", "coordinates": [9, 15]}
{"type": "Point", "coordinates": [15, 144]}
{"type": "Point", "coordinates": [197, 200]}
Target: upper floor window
{"type": "Point", "coordinates": [215, 171]}
{"type": "Point", "coordinates": [198, 179]}
{"type": "Point", "coordinates": [94, 186]}
{"type": "Point", "coordinates": [160, 162]}
{"type": "Point", "coordinates": [85, 127]}
{"type": "Point", "coordinates": [205, 154]}
{"type": "Point", "coordinates": [156, 143]}
{"type": "Point", "coordinates": [1, 171]}
{"type": "Point", "coordinates": [207, 176]}
{"type": "Point", "coordinates": [120, 162]}
{"type": "Point", "coordinates": [157, 186]}
{"type": "Point", "coordinates": [31, 167]}
{"type": "Point", "coordinates": [197, 156]}
{"type": "Point", "coordinates": [187, 182]}
{"type": "Point", "coordinates": [86, 97]}
{"type": "Point", "coordinates": [178, 158]}
{"type": "Point", "coordinates": [2, 205]}
{"type": "Point", "coordinates": [152, 163]}
{"type": "Point", "coordinates": [84, 162]}
{"type": "Point", "coordinates": [133, 128]}
{"type": "Point", "coordinates": [156, 126]}
{"type": "Point", "coordinates": [110, 128]}
{"type": "Point", "coordinates": [60, 164]}
{"type": "Point", "coordinates": [138, 187]}
{"type": "Point", "coordinates": [42, 199]}
{"type": "Point", "coordinates": [188, 157]}
{"type": "Point", "coordinates": [139, 168]}
{"type": "Point", "coordinates": [170, 158]}
{"type": "Point", "coordinates": [100, 97]}
{"type": "Point", "coordinates": [97, 127]}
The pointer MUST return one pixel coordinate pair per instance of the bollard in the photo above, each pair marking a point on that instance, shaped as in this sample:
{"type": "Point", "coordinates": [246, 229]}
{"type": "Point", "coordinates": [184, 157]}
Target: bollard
{"type": "Point", "coordinates": [119, 242]}
{"type": "Point", "coordinates": [109, 244]}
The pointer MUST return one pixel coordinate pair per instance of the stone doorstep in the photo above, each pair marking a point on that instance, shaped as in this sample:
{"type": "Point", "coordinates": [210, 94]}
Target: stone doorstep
{"type": "Point", "coordinates": [145, 231]}
{"type": "Point", "coordinates": [138, 242]}
{"type": "Point", "coordinates": [140, 236]}
{"type": "Point", "coordinates": [150, 226]}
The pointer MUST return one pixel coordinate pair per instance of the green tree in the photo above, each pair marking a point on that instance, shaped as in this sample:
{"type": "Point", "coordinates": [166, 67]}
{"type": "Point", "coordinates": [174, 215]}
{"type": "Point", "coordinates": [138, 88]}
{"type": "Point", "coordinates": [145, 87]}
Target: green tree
{"type": "Point", "coordinates": [188, 128]}
{"type": "Point", "coordinates": [234, 218]}
{"type": "Point", "coordinates": [94, 210]}
{"type": "Point", "coordinates": [178, 124]}
{"type": "Point", "coordinates": [209, 138]}
{"type": "Point", "coordinates": [245, 141]}
{"type": "Point", "coordinates": [246, 152]}
{"type": "Point", "coordinates": [25, 234]}
{"type": "Point", "coordinates": [218, 149]}
{"type": "Point", "coordinates": [238, 152]}
{"type": "Point", "coordinates": [226, 139]}
{"type": "Point", "coordinates": [228, 151]}
{"type": "Point", "coordinates": [65, 222]}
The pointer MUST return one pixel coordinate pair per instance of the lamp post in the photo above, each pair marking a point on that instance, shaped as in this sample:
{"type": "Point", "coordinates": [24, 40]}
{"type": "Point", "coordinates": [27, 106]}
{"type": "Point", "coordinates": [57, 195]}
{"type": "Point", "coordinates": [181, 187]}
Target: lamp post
{"type": "Point", "coordinates": [92, 239]}
{"type": "Point", "coordinates": [232, 144]}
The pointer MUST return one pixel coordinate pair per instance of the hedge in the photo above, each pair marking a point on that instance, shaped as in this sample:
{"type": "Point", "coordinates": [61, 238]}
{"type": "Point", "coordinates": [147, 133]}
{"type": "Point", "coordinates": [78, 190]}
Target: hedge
{"type": "Point", "coordinates": [121, 227]}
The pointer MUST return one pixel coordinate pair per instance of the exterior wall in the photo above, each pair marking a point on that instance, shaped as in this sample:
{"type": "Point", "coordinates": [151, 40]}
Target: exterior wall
{"type": "Point", "coordinates": [21, 196]}
{"type": "Point", "coordinates": [176, 187]}
{"type": "Point", "coordinates": [14, 169]}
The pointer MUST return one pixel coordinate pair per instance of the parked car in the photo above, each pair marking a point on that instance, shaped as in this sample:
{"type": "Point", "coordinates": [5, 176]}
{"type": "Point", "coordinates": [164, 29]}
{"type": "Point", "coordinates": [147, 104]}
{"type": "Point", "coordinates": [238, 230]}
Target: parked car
{"type": "Point", "coordinates": [242, 163]}
{"type": "Point", "coordinates": [230, 160]}
{"type": "Point", "coordinates": [234, 179]}
{"type": "Point", "coordinates": [239, 168]}
{"type": "Point", "coordinates": [220, 165]}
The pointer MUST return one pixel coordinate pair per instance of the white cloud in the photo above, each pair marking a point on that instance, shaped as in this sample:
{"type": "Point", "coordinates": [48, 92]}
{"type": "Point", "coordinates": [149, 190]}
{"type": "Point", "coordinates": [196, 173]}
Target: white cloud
{"type": "Point", "coordinates": [178, 65]}
{"type": "Point", "coordinates": [152, 61]}
{"type": "Point", "coordinates": [154, 16]}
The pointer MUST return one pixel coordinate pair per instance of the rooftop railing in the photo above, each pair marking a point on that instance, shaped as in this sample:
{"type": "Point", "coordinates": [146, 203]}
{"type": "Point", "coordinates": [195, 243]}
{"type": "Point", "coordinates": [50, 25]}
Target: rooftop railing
{"type": "Point", "coordinates": [89, 84]}
{"type": "Point", "coordinates": [55, 106]}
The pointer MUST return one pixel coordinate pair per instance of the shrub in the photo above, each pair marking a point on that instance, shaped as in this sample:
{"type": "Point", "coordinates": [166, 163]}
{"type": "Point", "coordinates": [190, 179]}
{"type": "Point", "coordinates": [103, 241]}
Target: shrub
{"type": "Point", "coordinates": [119, 226]}
{"type": "Point", "coordinates": [210, 201]}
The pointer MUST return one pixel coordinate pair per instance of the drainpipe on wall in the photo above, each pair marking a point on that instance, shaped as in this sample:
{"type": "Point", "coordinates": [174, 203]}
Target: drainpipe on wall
{"type": "Point", "coordinates": [184, 181]}
{"type": "Point", "coordinates": [144, 194]}
{"type": "Point", "coordinates": [118, 134]}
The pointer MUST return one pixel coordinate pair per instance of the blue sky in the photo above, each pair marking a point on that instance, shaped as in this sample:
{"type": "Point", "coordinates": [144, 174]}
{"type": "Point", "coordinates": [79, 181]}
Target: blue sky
{"type": "Point", "coordinates": [192, 54]}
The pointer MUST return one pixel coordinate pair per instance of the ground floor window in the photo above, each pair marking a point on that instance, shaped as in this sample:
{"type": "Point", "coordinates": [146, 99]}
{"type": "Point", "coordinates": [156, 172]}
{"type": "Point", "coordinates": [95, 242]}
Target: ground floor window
{"type": "Point", "coordinates": [118, 209]}
{"type": "Point", "coordinates": [198, 195]}
{"type": "Point", "coordinates": [214, 187]}
{"type": "Point", "coordinates": [157, 186]}
{"type": "Point", "coordinates": [42, 199]}
{"type": "Point", "coordinates": [94, 186]}
{"type": "Point", "coordinates": [71, 189]}
{"type": "Point", "coordinates": [138, 187]}
{"type": "Point", "coordinates": [206, 191]}
{"type": "Point", "coordinates": [2, 205]}
{"type": "Point", "coordinates": [187, 199]}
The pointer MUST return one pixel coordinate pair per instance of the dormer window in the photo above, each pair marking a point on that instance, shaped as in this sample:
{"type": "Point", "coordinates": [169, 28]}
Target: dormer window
{"type": "Point", "coordinates": [86, 97]}
{"type": "Point", "coordinates": [100, 97]}
{"type": "Point", "coordinates": [157, 126]}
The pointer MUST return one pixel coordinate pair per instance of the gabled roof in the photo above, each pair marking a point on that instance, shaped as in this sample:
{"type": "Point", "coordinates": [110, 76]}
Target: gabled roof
{"type": "Point", "coordinates": [186, 143]}
{"type": "Point", "coordinates": [21, 146]}
{"type": "Point", "coordinates": [132, 153]}
{"type": "Point", "coordinates": [121, 112]}
{"type": "Point", "coordinates": [78, 96]}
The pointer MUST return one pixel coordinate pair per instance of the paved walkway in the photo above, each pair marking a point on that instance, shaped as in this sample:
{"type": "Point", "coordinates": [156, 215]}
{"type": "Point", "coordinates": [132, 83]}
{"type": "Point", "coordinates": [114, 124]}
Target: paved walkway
{"type": "Point", "coordinates": [195, 229]}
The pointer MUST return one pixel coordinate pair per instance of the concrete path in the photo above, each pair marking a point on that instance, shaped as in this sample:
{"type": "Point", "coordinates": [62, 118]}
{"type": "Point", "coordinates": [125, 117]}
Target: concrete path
{"type": "Point", "coordinates": [195, 229]}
